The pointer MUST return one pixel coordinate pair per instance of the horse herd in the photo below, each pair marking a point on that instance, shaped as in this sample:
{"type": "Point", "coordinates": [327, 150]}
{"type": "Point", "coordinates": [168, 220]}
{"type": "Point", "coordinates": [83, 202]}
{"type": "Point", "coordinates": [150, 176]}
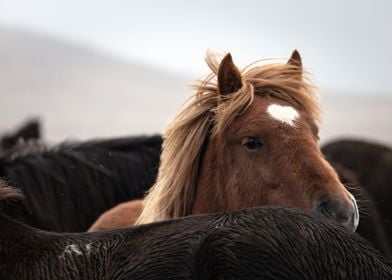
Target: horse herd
{"type": "Point", "coordinates": [237, 188]}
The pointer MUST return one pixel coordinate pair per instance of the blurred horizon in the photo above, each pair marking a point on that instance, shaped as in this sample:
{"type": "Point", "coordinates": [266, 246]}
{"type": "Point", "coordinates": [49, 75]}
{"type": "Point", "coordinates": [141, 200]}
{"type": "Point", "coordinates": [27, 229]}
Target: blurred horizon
{"type": "Point", "coordinates": [94, 69]}
{"type": "Point", "coordinates": [346, 44]}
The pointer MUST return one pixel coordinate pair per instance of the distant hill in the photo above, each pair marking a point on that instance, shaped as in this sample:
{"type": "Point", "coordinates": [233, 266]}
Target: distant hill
{"type": "Point", "coordinates": [79, 93]}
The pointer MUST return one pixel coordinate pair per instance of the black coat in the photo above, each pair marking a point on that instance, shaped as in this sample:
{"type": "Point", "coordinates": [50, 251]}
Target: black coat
{"type": "Point", "coordinates": [268, 243]}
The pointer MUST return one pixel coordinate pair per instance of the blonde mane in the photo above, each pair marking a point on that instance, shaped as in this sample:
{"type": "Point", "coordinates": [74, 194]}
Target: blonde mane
{"type": "Point", "coordinates": [173, 193]}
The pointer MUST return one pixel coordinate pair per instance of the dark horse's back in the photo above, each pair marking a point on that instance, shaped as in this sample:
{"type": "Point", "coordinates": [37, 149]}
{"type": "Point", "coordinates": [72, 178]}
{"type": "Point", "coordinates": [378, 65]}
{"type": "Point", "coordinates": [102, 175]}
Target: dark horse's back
{"type": "Point", "coordinates": [67, 187]}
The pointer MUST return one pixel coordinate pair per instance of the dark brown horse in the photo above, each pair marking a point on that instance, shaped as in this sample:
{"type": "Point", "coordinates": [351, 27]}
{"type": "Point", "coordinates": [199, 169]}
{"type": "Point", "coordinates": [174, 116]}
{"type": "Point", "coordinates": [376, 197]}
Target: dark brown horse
{"type": "Point", "coordinates": [68, 186]}
{"type": "Point", "coordinates": [367, 167]}
{"type": "Point", "coordinates": [248, 138]}
{"type": "Point", "coordinates": [263, 243]}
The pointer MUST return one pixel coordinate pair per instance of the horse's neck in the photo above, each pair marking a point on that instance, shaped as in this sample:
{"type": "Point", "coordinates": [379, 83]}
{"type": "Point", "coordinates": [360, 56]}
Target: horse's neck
{"type": "Point", "coordinates": [208, 198]}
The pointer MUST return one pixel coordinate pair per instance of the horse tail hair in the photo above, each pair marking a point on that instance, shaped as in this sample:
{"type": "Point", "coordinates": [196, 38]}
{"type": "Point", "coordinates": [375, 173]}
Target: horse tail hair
{"type": "Point", "coordinates": [8, 195]}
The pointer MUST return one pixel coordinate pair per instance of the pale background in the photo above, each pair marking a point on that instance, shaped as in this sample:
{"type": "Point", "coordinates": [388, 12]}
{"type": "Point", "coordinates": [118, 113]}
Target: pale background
{"type": "Point", "coordinates": [111, 68]}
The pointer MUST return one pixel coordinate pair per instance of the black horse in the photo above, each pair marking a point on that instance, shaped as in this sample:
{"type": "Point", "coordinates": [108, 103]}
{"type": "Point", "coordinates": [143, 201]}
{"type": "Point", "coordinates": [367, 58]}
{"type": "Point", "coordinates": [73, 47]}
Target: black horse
{"type": "Point", "coordinates": [367, 168]}
{"type": "Point", "coordinates": [262, 243]}
{"type": "Point", "coordinates": [68, 186]}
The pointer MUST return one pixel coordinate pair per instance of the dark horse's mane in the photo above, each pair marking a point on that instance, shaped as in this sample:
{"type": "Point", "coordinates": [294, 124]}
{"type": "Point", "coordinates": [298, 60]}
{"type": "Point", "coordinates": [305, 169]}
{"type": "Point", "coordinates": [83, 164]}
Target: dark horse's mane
{"type": "Point", "coordinates": [68, 186]}
{"type": "Point", "coordinates": [261, 243]}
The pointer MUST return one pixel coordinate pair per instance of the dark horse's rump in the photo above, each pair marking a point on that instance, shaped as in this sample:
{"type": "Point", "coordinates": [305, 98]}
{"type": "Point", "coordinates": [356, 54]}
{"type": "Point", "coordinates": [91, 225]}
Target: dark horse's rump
{"type": "Point", "coordinates": [368, 168]}
{"type": "Point", "coordinates": [67, 187]}
{"type": "Point", "coordinates": [262, 243]}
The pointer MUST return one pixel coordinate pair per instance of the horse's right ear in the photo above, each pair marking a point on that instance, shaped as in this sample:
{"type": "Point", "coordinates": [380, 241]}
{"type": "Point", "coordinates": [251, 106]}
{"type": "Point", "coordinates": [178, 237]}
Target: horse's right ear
{"type": "Point", "coordinates": [295, 59]}
{"type": "Point", "coordinates": [229, 77]}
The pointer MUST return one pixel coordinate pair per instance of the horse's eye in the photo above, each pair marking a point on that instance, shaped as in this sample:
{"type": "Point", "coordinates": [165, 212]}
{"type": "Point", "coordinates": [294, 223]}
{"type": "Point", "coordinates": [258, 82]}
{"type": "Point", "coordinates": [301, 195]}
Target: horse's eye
{"type": "Point", "coordinates": [251, 143]}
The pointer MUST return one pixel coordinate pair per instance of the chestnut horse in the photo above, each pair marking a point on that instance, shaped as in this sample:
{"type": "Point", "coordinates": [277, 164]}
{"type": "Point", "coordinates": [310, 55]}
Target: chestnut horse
{"type": "Point", "coordinates": [248, 138]}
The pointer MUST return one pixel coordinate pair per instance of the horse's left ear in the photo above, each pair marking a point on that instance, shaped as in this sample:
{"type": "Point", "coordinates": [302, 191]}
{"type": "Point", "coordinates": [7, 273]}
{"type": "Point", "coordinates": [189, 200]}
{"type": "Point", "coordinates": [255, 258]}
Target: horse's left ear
{"type": "Point", "coordinates": [229, 77]}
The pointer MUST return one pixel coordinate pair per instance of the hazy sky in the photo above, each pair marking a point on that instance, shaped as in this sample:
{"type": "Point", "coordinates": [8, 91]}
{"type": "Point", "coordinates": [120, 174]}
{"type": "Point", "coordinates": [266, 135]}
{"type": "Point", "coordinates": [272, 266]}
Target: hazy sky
{"type": "Point", "coordinates": [347, 44]}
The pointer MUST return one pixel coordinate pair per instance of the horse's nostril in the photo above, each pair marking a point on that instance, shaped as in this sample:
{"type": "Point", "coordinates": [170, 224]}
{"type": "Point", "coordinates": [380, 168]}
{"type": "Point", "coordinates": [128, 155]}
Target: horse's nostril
{"type": "Point", "coordinates": [325, 207]}
{"type": "Point", "coordinates": [342, 211]}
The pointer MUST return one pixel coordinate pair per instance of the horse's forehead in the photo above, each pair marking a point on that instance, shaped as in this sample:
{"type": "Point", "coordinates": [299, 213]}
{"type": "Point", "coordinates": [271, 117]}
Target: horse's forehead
{"type": "Point", "coordinates": [276, 110]}
{"type": "Point", "coordinates": [267, 114]}
{"type": "Point", "coordinates": [283, 113]}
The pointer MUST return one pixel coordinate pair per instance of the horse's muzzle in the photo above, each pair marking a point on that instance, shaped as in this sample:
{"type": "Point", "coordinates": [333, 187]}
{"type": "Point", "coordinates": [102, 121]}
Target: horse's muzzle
{"type": "Point", "coordinates": [342, 211]}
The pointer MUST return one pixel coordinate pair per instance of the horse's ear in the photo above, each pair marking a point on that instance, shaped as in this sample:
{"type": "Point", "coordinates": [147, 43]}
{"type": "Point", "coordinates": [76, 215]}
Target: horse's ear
{"type": "Point", "coordinates": [296, 61]}
{"type": "Point", "coordinates": [229, 77]}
